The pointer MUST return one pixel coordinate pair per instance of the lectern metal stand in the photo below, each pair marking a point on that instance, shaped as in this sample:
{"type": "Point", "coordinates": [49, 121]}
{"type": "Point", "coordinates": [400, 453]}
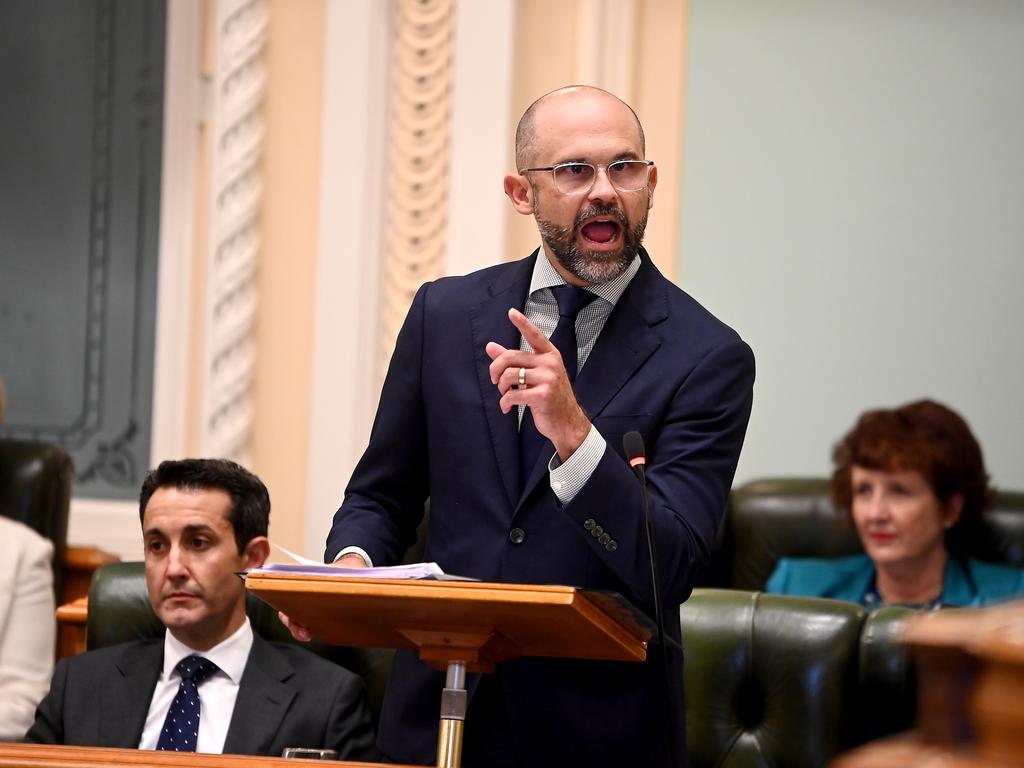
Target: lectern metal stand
{"type": "Point", "coordinates": [459, 626]}
{"type": "Point", "coordinates": [453, 717]}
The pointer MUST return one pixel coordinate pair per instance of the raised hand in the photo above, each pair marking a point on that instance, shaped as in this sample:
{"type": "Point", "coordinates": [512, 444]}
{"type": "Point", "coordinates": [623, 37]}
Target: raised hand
{"type": "Point", "coordinates": [545, 389]}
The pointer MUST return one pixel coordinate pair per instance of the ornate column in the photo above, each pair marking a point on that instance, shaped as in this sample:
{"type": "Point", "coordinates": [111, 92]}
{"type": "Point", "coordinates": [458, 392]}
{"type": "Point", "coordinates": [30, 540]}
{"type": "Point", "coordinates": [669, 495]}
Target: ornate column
{"type": "Point", "coordinates": [418, 157]}
{"type": "Point", "coordinates": [234, 68]}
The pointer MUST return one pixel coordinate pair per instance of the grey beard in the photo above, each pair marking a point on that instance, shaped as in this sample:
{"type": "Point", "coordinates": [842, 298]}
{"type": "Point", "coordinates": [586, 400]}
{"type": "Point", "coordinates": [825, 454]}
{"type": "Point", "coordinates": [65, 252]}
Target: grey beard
{"type": "Point", "coordinates": [592, 267]}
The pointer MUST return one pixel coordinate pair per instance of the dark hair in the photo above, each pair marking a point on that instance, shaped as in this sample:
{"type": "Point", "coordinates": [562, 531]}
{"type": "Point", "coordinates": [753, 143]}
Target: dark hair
{"type": "Point", "coordinates": [926, 437]}
{"type": "Point", "coordinates": [249, 513]}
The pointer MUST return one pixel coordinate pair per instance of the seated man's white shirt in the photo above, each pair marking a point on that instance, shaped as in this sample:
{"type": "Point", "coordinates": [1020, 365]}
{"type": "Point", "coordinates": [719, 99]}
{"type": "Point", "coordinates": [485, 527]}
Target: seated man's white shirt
{"type": "Point", "coordinates": [217, 694]}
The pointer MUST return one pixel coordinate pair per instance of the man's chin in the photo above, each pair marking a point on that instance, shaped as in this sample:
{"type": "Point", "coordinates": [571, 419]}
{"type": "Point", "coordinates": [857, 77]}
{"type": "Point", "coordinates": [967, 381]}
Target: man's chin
{"type": "Point", "coordinates": [602, 266]}
{"type": "Point", "coordinates": [179, 616]}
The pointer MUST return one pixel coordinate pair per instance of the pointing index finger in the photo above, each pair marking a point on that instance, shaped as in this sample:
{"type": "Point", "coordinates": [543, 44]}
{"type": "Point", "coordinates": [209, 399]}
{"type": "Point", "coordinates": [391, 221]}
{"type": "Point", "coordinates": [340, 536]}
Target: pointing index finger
{"type": "Point", "coordinates": [530, 332]}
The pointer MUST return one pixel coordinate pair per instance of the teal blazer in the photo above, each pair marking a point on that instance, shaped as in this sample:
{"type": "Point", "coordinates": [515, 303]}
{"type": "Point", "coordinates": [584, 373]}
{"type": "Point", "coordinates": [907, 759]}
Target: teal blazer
{"type": "Point", "coordinates": [968, 582]}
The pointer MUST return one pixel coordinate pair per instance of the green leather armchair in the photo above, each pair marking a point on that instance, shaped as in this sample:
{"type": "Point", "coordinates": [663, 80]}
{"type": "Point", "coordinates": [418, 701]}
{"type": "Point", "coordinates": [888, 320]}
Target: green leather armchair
{"type": "Point", "coordinates": [775, 680]}
{"type": "Point", "coordinates": [793, 517]}
{"type": "Point", "coordinates": [119, 611]}
{"type": "Point", "coordinates": [35, 489]}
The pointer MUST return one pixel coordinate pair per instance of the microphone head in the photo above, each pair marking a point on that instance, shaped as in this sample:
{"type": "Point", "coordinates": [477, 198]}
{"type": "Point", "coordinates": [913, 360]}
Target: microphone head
{"type": "Point", "coordinates": [633, 445]}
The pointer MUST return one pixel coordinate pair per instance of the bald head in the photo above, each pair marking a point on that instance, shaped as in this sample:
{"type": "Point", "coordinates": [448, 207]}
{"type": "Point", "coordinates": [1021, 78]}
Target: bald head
{"type": "Point", "coordinates": [526, 132]}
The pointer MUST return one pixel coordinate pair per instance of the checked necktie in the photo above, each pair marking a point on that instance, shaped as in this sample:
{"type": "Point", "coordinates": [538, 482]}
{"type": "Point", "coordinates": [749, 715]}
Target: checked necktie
{"type": "Point", "coordinates": [181, 728]}
{"type": "Point", "coordinates": [570, 301]}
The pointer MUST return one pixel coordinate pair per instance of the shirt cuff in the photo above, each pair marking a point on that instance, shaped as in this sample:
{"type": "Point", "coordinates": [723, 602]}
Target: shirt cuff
{"type": "Point", "coordinates": [568, 478]}
{"type": "Point", "coordinates": [359, 551]}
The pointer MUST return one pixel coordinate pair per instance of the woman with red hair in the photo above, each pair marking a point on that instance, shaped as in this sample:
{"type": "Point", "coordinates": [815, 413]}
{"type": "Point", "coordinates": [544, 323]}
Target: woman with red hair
{"type": "Point", "coordinates": [914, 481]}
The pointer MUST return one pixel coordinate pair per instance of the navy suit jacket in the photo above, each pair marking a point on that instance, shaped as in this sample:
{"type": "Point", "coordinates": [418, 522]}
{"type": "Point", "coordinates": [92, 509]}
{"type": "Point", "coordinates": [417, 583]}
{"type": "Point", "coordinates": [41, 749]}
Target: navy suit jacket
{"type": "Point", "coordinates": [288, 697]}
{"type": "Point", "coordinates": [663, 365]}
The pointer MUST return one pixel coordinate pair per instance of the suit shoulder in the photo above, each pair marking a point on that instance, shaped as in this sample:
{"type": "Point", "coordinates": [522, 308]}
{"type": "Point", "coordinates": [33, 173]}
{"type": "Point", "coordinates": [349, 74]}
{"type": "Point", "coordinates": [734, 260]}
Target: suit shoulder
{"type": "Point", "coordinates": [684, 306]}
{"type": "Point", "coordinates": [112, 653]}
{"type": "Point", "coordinates": [995, 581]}
{"type": "Point", "coordinates": [19, 537]}
{"type": "Point", "coordinates": [819, 577]}
{"type": "Point", "coordinates": [305, 662]}
{"type": "Point", "coordinates": [469, 288]}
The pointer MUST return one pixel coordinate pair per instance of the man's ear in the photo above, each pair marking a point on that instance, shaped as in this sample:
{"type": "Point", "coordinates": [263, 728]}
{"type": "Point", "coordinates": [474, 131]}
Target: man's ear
{"type": "Point", "coordinates": [256, 552]}
{"type": "Point", "coordinates": [520, 193]}
{"type": "Point", "coordinates": [652, 182]}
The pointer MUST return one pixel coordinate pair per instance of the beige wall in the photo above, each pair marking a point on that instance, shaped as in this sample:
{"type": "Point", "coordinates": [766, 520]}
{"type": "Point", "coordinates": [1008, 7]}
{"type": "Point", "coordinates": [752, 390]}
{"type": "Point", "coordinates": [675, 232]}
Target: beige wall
{"type": "Point", "coordinates": [555, 45]}
{"type": "Point", "coordinates": [286, 278]}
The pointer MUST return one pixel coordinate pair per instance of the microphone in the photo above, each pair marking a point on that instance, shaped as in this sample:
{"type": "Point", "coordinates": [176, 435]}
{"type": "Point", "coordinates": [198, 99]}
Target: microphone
{"type": "Point", "coordinates": [636, 455]}
{"type": "Point", "coordinates": [633, 445]}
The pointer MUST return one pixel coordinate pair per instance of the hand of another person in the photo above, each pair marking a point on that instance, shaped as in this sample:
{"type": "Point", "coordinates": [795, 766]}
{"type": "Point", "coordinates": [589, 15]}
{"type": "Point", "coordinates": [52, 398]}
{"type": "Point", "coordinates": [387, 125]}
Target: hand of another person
{"type": "Point", "coordinates": [300, 632]}
{"type": "Point", "coordinates": [547, 393]}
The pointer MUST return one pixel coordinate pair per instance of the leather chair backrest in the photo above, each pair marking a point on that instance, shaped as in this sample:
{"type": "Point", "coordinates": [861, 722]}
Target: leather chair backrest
{"type": "Point", "coordinates": [886, 682]}
{"type": "Point", "coordinates": [119, 611]}
{"type": "Point", "coordinates": [793, 517]}
{"type": "Point", "coordinates": [768, 678]}
{"type": "Point", "coordinates": [35, 489]}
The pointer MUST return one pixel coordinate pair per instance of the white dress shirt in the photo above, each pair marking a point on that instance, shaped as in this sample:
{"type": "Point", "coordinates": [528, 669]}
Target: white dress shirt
{"type": "Point", "coordinates": [216, 695]}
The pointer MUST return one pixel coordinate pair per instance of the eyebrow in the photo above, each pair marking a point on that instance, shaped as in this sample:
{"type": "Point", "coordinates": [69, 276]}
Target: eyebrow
{"type": "Point", "coordinates": [628, 154]}
{"type": "Point", "coordinates": [188, 529]}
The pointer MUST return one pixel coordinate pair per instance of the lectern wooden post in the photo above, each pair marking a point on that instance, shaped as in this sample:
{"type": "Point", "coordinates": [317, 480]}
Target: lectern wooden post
{"type": "Point", "coordinates": [459, 626]}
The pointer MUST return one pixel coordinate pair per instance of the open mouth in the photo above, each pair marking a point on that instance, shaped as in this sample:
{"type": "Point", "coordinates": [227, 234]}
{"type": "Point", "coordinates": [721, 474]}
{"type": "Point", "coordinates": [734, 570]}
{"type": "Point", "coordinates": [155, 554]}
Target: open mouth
{"type": "Point", "coordinates": [601, 231]}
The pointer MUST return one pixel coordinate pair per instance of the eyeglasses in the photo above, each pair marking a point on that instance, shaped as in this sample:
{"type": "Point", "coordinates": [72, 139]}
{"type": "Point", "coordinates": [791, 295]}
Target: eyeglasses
{"type": "Point", "coordinates": [578, 178]}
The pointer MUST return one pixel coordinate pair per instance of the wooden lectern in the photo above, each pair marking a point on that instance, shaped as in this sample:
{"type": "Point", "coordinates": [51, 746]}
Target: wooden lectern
{"type": "Point", "coordinates": [459, 626]}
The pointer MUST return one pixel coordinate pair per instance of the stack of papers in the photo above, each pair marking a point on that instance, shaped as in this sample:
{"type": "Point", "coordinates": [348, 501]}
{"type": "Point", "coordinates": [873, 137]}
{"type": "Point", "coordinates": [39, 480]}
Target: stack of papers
{"type": "Point", "coordinates": [413, 571]}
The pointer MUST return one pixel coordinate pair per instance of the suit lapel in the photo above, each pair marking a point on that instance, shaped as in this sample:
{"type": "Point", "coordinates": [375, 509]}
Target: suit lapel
{"type": "Point", "coordinates": [263, 699]}
{"type": "Point", "coordinates": [625, 343]}
{"type": "Point", "coordinates": [490, 323]}
{"type": "Point", "coordinates": [125, 701]}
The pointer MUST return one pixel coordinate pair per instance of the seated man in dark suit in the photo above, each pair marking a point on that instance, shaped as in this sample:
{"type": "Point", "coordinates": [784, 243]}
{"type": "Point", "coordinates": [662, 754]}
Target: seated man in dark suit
{"type": "Point", "coordinates": [210, 685]}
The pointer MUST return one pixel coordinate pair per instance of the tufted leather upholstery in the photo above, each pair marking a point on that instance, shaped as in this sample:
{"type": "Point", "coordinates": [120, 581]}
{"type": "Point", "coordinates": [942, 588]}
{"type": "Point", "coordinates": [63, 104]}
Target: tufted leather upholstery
{"type": "Point", "coordinates": [793, 517]}
{"type": "Point", "coordinates": [119, 611]}
{"type": "Point", "coordinates": [35, 489]}
{"type": "Point", "coordinates": [775, 680]}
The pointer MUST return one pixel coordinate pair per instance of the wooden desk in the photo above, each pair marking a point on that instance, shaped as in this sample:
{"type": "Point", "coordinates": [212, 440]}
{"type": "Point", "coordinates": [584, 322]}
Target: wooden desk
{"type": "Point", "coordinates": [970, 679]}
{"type": "Point", "coordinates": [48, 756]}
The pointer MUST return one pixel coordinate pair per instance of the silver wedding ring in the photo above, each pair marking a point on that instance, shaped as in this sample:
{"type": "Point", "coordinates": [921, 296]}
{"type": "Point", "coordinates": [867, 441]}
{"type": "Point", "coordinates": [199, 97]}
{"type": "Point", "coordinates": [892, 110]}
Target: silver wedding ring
{"type": "Point", "coordinates": [522, 378]}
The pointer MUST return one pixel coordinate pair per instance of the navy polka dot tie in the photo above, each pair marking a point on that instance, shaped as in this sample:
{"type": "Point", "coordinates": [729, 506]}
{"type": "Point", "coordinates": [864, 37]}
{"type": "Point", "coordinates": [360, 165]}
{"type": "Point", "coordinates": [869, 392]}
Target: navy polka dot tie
{"type": "Point", "coordinates": [181, 728]}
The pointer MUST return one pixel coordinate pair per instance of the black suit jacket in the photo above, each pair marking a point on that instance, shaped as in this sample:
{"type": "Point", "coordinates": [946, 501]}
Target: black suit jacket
{"type": "Point", "coordinates": [288, 698]}
{"type": "Point", "coordinates": [663, 365]}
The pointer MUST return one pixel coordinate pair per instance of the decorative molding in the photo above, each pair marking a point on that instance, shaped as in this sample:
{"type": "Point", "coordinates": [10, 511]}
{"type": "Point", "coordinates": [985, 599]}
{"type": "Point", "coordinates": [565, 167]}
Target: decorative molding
{"type": "Point", "coordinates": [606, 49]}
{"type": "Point", "coordinates": [233, 246]}
{"type": "Point", "coordinates": [77, 433]}
{"type": "Point", "coordinates": [418, 160]}
{"type": "Point", "coordinates": [106, 436]}
{"type": "Point", "coordinates": [482, 135]}
{"type": "Point", "coordinates": [114, 525]}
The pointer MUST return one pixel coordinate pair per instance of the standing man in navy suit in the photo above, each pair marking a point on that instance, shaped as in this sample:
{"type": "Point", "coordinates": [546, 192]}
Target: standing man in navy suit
{"type": "Point", "coordinates": [475, 382]}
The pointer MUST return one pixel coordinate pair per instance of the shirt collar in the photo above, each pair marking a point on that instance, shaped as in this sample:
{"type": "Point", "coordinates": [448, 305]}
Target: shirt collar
{"type": "Point", "coordinates": [230, 655]}
{"type": "Point", "coordinates": [545, 276]}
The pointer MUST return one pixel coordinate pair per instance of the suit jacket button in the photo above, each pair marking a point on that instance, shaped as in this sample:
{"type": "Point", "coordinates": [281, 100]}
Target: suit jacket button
{"type": "Point", "coordinates": [605, 538]}
{"type": "Point", "coordinates": [517, 535]}
{"type": "Point", "coordinates": [589, 523]}
{"type": "Point", "coordinates": [612, 545]}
